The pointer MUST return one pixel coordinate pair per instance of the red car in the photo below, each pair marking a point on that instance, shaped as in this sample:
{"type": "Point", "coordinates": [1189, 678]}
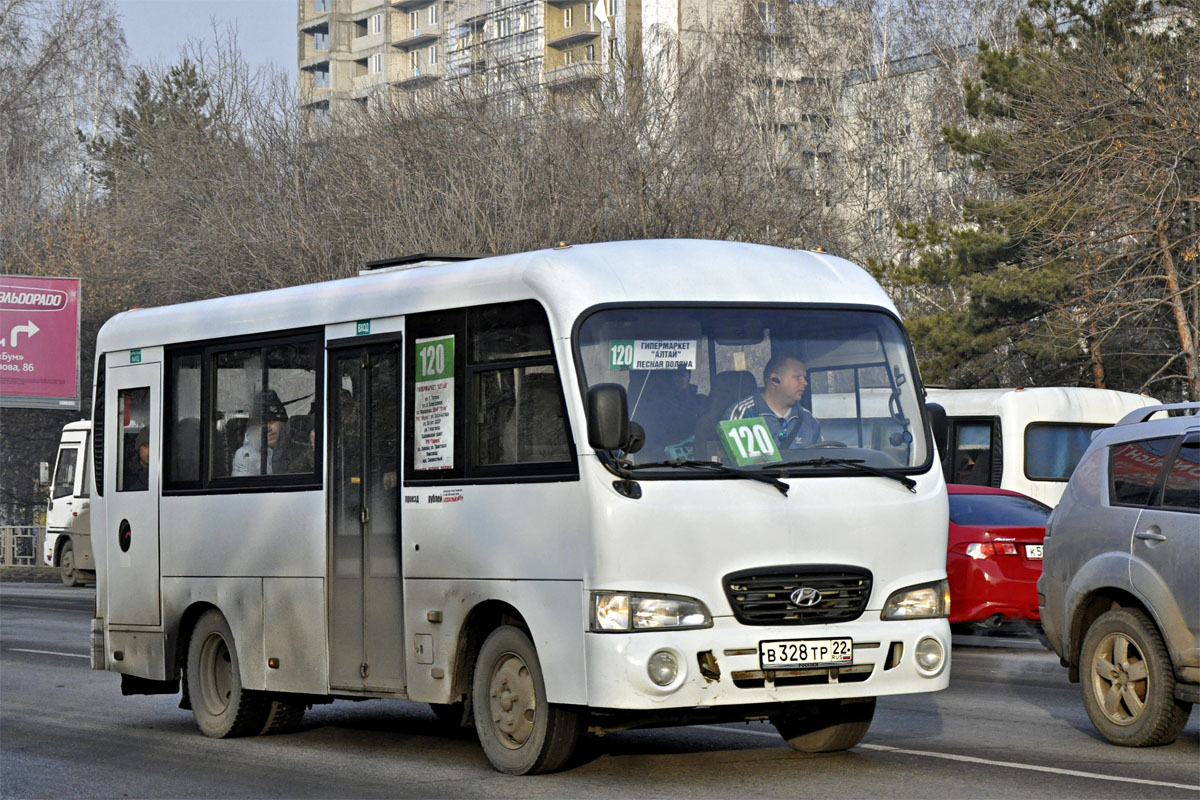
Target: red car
{"type": "Point", "coordinates": [995, 555]}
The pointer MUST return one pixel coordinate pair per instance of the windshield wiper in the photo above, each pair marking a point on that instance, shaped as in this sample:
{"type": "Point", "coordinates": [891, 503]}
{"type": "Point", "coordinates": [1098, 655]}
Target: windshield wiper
{"type": "Point", "coordinates": [713, 465]}
{"type": "Point", "coordinates": [853, 463]}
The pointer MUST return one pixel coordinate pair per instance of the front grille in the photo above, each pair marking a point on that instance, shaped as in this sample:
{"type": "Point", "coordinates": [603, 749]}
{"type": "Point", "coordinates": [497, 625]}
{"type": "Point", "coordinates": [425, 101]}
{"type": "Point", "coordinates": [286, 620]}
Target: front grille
{"type": "Point", "coordinates": [763, 596]}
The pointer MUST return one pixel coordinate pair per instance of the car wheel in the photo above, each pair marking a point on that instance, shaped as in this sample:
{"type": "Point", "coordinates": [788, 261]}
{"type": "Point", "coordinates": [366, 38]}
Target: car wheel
{"type": "Point", "coordinates": [1128, 683]}
{"type": "Point", "coordinates": [825, 726]}
{"type": "Point", "coordinates": [67, 571]}
{"type": "Point", "coordinates": [520, 732]}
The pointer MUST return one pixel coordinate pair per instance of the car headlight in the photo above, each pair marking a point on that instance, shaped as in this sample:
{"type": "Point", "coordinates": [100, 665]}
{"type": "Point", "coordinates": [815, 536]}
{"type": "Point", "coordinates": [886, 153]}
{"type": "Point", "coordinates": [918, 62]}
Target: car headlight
{"type": "Point", "coordinates": [926, 601]}
{"type": "Point", "coordinates": [623, 611]}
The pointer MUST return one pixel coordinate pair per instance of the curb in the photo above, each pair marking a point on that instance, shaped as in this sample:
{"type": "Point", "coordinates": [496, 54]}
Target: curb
{"type": "Point", "coordinates": [29, 575]}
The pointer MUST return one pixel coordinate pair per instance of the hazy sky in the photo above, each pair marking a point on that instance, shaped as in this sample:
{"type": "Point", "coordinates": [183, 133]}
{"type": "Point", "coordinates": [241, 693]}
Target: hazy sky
{"type": "Point", "coordinates": [156, 29]}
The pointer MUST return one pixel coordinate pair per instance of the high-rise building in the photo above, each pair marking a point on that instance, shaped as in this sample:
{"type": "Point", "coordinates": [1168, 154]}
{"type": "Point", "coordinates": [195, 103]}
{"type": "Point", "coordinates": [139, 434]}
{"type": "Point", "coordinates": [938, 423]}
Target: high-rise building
{"type": "Point", "coordinates": [356, 51]}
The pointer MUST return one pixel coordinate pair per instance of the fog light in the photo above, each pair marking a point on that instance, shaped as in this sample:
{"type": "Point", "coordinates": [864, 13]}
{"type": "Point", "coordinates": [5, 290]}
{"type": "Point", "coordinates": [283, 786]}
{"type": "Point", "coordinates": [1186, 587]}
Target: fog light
{"type": "Point", "coordinates": [662, 667]}
{"type": "Point", "coordinates": [930, 655]}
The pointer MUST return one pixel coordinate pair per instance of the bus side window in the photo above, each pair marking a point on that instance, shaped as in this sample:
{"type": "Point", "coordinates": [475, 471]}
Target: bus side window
{"type": "Point", "coordinates": [136, 449]}
{"type": "Point", "coordinates": [519, 414]}
{"type": "Point", "coordinates": [182, 420]}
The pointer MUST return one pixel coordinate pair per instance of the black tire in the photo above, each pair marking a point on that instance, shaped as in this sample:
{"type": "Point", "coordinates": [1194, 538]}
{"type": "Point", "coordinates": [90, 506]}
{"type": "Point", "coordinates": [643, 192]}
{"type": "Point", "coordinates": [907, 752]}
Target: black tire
{"type": "Point", "coordinates": [222, 707]}
{"type": "Point", "coordinates": [1128, 683]}
{"type": "Point", "coordinates": [826, 726]}
{"type": "Point", "coordinates": [66, 563]}
{"type": "Point", "coordinates": [520, 732]}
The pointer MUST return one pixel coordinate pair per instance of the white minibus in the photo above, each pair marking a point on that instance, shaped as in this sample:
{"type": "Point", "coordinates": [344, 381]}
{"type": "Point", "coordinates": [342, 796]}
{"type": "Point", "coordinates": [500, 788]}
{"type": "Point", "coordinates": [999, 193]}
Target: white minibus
{"type": "Point", "coordinates": [68, 542]}
{"type": "Point", "coordinates": [510, 487]}
{"type": "Point", "coordinates": [1025, 440]}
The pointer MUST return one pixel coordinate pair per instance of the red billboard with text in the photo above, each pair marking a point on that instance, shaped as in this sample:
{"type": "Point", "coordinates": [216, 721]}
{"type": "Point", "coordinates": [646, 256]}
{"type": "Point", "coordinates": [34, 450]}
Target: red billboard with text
{"type": "Point", "coordinates": [39, 342]}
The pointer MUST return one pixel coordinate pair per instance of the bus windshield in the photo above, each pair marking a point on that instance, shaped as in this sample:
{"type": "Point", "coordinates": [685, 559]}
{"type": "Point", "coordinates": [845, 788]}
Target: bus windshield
{"type": "Point", "coordinates": [761, 388]}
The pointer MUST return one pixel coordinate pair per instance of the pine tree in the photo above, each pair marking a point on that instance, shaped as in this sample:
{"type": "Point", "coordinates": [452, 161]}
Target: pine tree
{"type": "Point", "coordinates": [1084, 267]}
{"type": "Point", "coordinates": [164, 112]}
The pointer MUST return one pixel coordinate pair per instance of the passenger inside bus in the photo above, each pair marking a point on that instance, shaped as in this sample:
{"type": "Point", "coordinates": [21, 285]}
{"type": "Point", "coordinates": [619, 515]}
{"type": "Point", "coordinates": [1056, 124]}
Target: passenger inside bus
{"type": "Point", "coordinates": [667, 405]}
{"type": "Point", "coordinates": [284, 455]}
{"type": "Point", "coordinates": [137, 469]}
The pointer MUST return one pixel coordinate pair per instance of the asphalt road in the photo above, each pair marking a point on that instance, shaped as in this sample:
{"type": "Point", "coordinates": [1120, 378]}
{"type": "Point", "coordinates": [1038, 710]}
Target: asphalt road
{"type": "Point", "coordinates": [1009, 726]}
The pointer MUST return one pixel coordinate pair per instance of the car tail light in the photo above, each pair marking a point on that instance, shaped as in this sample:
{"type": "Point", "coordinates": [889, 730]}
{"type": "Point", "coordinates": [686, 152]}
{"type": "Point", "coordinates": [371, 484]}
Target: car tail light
{"type": "Point", "coordinates": [991, 549]}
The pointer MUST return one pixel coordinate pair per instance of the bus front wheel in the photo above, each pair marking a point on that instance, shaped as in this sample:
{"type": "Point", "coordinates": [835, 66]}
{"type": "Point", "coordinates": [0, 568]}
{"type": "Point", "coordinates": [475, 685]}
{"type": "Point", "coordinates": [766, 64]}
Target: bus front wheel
{"type": "Point", "coordinates": [825, 726]}
{"type": "Point", "coordinates": [521, 733]}
{"type": "Point", "coordinates": [66, 563]}
{"type": "Point", "coordinates": [222, 707]}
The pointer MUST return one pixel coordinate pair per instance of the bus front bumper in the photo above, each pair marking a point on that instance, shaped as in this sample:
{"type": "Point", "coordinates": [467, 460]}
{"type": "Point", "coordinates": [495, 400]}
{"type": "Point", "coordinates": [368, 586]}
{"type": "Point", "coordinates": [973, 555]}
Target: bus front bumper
{"type": "Point", "coordinates": [721, 666]}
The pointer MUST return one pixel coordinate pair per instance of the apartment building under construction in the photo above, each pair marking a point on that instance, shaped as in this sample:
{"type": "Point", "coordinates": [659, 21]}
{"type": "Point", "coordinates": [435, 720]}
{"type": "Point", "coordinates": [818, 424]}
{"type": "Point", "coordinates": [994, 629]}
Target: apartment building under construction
{"type": "Point", "coordinates": [354, 52]}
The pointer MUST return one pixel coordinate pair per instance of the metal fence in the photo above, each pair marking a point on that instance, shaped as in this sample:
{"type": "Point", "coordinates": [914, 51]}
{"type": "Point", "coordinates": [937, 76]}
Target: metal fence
{"type": "Point", "coordinates": [21, 545]}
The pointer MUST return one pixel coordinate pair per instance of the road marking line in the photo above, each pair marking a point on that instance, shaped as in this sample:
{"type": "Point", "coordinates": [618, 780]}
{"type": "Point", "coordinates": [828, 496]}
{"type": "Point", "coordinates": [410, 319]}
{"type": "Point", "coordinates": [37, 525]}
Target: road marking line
{"type": "Point", "coordinates": [47, 652]}
{"type": "Point", "coordinates": [988, 761]}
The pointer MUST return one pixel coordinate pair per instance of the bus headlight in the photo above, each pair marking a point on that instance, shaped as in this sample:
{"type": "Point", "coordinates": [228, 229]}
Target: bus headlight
{"type": "Point", "coordinates": [926, 601]}
{"type": "Point", "coordinates": [623, 611]}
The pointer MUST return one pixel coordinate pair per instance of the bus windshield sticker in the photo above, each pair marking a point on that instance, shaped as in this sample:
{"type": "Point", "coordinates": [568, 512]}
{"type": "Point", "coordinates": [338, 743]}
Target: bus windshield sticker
{"type": "Point", "coordinates": [749, 441]}
{"type": "Point", "coordinates": [433, 434]}
{"type": "Point", "coordinates": [652, 354]}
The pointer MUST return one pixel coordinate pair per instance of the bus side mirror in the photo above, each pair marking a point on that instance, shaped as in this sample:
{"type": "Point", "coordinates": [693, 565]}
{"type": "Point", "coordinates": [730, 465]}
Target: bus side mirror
{"type": "Point", "coordinates": [939, 425]}
{"type": "Point", "coordinates": [608, 416]}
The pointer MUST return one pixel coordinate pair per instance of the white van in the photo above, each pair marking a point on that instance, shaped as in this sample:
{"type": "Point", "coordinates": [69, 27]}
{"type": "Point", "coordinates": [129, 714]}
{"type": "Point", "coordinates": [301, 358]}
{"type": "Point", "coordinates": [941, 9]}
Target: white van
{"type": "Point", "coordinates": [68, 543]}
{"type": "Point", "coordinates": [1025, 440]}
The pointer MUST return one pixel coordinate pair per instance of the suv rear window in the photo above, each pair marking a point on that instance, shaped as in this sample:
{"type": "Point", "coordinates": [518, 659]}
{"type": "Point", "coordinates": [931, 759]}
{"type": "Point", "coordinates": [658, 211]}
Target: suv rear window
{"type": "Point", "coordinates": [1134, 468]}
{"type": "Point", "coordinates": [1182, 489]}
{"type": "Point", "coordinates": [997, 509]}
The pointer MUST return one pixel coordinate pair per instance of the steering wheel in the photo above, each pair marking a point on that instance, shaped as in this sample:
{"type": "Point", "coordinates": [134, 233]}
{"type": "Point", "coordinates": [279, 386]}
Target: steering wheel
{"type": "Point", "coordinates": [823, 444]}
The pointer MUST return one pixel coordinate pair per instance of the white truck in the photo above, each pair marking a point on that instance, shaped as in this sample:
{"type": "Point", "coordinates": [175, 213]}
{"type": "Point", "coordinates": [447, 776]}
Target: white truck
{"type": "Point", "coordinates": [68, 543]}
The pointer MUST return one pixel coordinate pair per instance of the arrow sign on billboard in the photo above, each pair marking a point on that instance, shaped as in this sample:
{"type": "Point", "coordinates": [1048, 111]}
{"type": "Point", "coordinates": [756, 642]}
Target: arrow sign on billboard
{"type": "Point", "coordinates": [29, 330]}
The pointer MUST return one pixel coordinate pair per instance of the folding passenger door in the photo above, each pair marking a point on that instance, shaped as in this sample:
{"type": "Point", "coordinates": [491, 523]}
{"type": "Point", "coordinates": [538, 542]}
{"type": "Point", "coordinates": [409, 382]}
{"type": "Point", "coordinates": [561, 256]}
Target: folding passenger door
{"type": "Point", "coordinates": [366, 615]}
{"type": "Point", "coordinates": [130, 535]}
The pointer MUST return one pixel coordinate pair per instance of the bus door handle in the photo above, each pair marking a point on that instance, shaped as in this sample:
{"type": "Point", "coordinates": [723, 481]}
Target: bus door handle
{"type": "Point", "coordinates": [365, 515]}
{"type": "Point", "coordinates": [1151, 535]}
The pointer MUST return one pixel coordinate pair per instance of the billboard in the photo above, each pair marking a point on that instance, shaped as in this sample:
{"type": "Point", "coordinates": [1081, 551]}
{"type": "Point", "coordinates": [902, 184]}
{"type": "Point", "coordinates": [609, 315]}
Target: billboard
{"type": "Point", "coordinates": [39, 342]}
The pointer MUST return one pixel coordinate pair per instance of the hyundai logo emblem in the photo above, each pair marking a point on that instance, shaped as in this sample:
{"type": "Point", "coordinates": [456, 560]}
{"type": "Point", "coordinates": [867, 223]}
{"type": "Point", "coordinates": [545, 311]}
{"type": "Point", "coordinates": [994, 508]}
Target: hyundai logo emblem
{"type": "Point", "coordinates": [805, 596]}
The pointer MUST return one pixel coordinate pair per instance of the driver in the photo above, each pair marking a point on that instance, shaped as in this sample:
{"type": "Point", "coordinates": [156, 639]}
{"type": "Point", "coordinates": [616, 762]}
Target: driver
{"type": "Point", "coordinates": [785, 379]}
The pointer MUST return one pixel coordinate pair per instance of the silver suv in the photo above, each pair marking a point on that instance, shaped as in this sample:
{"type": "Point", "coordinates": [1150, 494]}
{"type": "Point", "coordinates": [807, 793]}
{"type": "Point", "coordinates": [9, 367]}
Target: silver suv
{"type": "Point", "coordinates": [1119, 594]}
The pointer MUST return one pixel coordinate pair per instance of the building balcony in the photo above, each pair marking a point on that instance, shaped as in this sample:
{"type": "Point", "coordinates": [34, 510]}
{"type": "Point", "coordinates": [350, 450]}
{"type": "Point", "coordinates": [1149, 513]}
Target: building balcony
{"type": "Point", "coordinates": [471, 10]}
{"type": "Point", "coordinates": [414, 78]}
{"type": "Point", "coordinates": [314, 21]}
{"type": "Point", "coordinates": [314, 60]}
{"type": "Point", "coordinates": [411, 5]}
{"type": "Point", "coordinates": [582, 72]}
{"type": "Point", "coordinates": [418, 37]}
{"type": "Point", "coordinates": [368, 42]}
{"type": "Point", "coordinates": [572, 38]}
{"type": "Point", "coordinates": [363, 6]}
{"type": "Point", "coordinates": [362, 85]}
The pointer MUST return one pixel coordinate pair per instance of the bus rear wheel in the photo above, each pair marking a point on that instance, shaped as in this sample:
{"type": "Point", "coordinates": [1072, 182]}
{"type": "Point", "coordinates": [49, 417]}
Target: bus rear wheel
{"type": "Point", "coordinates": [520, 732]}
{"type": "Point", "coordinates": [222, 706]}
{"type": "Point", "coordinates": [825, 726]}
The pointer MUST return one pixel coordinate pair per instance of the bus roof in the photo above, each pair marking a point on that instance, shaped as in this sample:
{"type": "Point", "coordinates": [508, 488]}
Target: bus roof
{"type": "Point", "coordinates": [567, 279]}
{"type": "Point", "coordinates": [1051, 403]}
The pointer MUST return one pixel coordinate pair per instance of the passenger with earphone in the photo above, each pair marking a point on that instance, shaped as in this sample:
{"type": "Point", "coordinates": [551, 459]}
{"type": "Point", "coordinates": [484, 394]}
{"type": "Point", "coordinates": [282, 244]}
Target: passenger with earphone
{"type": "Point", "coordinates": [785, 378]}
